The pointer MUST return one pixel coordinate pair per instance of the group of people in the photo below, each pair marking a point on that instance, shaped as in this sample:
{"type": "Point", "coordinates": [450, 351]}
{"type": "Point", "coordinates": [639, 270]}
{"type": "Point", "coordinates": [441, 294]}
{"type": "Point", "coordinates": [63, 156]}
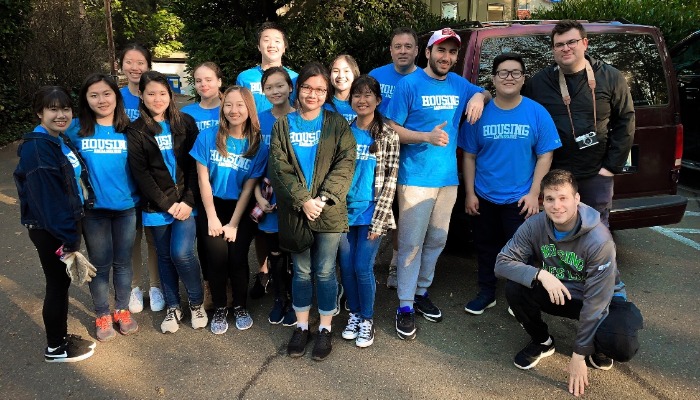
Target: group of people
{"type": "Point", "coordinates": [316, 167]}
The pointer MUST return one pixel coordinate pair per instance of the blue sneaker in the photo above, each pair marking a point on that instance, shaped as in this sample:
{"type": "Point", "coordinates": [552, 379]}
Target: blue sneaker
{"type": "Point", "coordinates": [479, 304]}
{"type": "Point", "coordinates": [277, 314]}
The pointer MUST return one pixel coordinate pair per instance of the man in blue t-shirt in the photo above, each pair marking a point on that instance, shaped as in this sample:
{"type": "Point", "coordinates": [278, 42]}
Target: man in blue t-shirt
{"type": "Point", "coordinates": [272, 43]}
{"type": "Point", "coordinates": [425, 111]}
{"type": "Point", "coordinates": [506, 154]}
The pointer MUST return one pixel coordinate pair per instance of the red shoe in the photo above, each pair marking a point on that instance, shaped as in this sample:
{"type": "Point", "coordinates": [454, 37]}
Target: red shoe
{"type": "Point", "coordinates": [104, 331]}
{"type": "Point", "coordinates": [127, 325]}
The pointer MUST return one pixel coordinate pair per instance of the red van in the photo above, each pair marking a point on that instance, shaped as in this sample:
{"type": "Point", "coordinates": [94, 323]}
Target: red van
{"type": "Point", "coordinates": [645, 193]}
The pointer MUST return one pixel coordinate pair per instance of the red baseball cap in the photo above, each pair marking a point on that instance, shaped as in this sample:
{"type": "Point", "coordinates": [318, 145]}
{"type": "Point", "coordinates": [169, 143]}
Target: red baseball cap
{"type": "Point", "coordinates": [443, 34]}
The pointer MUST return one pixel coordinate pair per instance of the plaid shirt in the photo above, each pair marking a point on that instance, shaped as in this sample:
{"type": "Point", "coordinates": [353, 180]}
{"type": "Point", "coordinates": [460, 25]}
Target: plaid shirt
{"type": "Point", "coordinates": [385, 175]}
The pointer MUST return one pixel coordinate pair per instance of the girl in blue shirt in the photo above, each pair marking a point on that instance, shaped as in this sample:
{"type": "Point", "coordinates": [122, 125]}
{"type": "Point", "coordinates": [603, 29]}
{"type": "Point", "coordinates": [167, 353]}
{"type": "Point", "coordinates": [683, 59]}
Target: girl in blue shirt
{"type": "Point", "coordinates": [230, 159]}
{"type": "Point", "coordinates": [344, 70]}
{"type": "Point", "coordinates": [110, 227]}
{"type": "Point", "coordinates": [369, 207]}
{"type": "Point", "coordinates": [277, 86]}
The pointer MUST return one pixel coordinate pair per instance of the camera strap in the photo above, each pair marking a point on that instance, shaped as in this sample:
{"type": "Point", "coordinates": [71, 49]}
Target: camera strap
{"type": "Point", "coordinates": [567, 98]}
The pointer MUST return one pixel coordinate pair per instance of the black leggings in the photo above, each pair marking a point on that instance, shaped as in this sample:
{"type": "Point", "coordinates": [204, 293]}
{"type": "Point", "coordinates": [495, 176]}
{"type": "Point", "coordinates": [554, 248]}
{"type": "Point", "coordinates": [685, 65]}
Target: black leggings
{"type": "Point", "coordinates": [55, 310]}
{"type": "Point", "coordinates": [279, 267]}
{"type": "Point", "coordinates": [228, 260]}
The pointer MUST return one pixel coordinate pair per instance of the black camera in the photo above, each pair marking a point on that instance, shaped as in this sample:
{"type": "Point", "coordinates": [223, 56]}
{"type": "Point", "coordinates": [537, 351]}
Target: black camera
{"type": "Point", "coordinates": [587, 140]}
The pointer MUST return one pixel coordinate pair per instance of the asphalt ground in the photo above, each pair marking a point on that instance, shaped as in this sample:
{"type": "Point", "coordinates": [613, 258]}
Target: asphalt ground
{"type": "Point", "coordinates": [463, 357]}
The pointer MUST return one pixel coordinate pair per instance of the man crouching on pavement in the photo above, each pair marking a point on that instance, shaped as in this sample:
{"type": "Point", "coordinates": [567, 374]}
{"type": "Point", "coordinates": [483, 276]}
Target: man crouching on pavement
{"type": "Point", "coordinates": [578, 279]}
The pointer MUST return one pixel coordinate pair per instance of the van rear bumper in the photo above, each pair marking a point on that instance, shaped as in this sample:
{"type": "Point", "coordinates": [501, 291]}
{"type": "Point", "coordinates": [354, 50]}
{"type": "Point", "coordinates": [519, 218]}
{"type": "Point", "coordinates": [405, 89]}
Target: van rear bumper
{"type": "Point", "coordinates": [642, 212]}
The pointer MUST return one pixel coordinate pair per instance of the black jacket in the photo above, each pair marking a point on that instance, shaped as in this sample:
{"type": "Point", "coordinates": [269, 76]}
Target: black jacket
{"type": "Point", "coordinates": [150, 172]}
{"type": "Point", "coordinates": [615, 117]}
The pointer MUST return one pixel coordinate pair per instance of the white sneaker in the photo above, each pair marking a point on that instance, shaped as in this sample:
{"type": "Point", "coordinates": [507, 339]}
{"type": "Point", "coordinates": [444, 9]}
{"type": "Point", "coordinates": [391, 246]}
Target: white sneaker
{"type": "Point", "coordinates": [136, 300]}
{"type": "Point", "coordinates": [171, 323]}
{"type": "Point", "coordinates": [365, 336]}
{"type": "Point", "coordinates": [157, 301]}
{"type": "Point", "coordinates": [199, 317]}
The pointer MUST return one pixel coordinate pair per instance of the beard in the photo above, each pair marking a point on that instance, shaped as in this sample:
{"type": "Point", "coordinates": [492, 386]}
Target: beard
{"type": "Point", "coordinates": [434, 67]}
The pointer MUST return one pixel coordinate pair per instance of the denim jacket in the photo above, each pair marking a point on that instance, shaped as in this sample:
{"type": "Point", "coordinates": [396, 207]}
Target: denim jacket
{"type": "Point", "coordinates": [47, 189]}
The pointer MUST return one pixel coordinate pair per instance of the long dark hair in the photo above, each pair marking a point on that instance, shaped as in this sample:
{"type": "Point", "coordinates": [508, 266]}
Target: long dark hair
{"type": "Point", "coordinates": [276, 70]}
{"type": "Point", "coordinates": [315, 68]}
{"type": "Point", "coordinates": [86, 115]}
{"type": "Point", "coordinates": [251, 129]}
{"type": "Point", "coordinates": [49, 97]}
{"type": "Point", "coordinates": [137, 47]}
{"type": "Point", "coordinates": [172, 114]}
{"type": "Point", "coordinates": [359, 85]}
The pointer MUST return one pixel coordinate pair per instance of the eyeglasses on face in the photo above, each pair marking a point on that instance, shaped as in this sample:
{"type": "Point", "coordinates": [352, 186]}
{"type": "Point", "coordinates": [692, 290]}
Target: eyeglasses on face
{"type": "Point", "coordinates": [503, 73]}
{"type": "Point", "coordinates": [570, 43]}
{"type": "Point", "coordinates": [306, 89]}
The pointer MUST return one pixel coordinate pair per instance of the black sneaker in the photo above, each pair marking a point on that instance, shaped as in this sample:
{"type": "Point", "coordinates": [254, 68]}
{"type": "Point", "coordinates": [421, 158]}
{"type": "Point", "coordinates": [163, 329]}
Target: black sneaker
{"type": "Point", "coordinates": [532, 354]}
{"type": "Point", "coordinates": [323, 345]}
{"type": "Point", "coordinates": [297, 344]}
{"type": "Point", "coordinates": [277, 314]}
{"type": "Point", "coordinates": [68, 352]}
{"type": "Point", "coordinates": [290, 316]}
{"type": "Point", "coordinates": [599, 361]}
{"type": "Point", "coordinates": [78, 341]}
{"type": "Point", "coordinates": [406, 323]}
{"type": "Point", "coordinates": [423, 305]}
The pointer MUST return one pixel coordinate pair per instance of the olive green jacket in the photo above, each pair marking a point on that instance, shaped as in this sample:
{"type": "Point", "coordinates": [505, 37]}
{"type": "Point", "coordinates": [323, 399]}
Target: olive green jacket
{"type": "Point", "coordinates": [333, 173]}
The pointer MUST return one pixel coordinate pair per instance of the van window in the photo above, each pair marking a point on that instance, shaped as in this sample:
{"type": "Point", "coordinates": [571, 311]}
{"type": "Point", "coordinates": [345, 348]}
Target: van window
{"type": "Point", "coordinates": [635, 55]}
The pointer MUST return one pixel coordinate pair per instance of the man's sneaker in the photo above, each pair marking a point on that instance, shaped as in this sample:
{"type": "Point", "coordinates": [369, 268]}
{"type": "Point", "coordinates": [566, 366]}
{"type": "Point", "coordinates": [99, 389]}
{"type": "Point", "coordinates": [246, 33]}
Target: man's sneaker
{"type": "Point", "coordinates": [104, 331]}
{"type": "Point", "coordinates": [262, 280]}
{"type": "Point", "coordinates": [423, 305]}
{"type": "Point", "coordinates": [532, 354]}
{"type": "Point", "coordinates": [155, 297]}
{"type": "Point", "coordinates": [219, 326]}
{"type": "Point", "coordinates": [406, 323]}
{"type": "Point", "coordinates": [199, 316]}
{"type": "Point", "coordinates": [171, 323]}
{"type": "Point", "coordinates": [69, 351]}
{"type": "Point", "coordinates": [392, 281]}
{"type": "Point", "coordinates": [297, 344]}
{"type": "Point", "coordinates": [277, 314]}
{"type": "Point", "coordinates": [78, 340]}
{"type": "Point", "coordinates": [127, 325]}
{"type": "Point", "coordinates": [365, 336]}
{"type": "Point", "coordinates": [290, 316]}
{"type": "Point", "coordinates": [479, 304]}
{"type": "Point", "coordinates": [599, 361]}
{"type": "Point", "coordinates": [243, 318]}
{"type": "Point", "coordinates": [339, 299]}
{"type": "Point", "coordinates": [136, 300]}
{"type": "Point", "coordinates": [323, 345]}
{"type": "Point", "coordinates": [353, 327]}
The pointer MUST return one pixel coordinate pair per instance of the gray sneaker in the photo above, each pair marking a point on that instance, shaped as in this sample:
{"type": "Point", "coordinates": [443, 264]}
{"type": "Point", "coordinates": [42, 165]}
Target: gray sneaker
{"type": "Point", "coordinates": [199, 316]}
{"type": "Point", "coordinates": [171, 323]}
{"type": "Point", "coordinates": [243, 318]}
{"type": "Point", "coordinates": [392, 282]}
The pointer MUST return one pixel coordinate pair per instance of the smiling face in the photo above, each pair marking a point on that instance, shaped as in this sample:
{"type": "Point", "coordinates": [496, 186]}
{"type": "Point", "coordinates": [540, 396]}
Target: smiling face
{"type": "Point", "coordinates": [509, 86]}
{"type": "Point", "coordinates": [561, 206]}
{"type": "Point", "coordinates": [133, 65]}
{"type": "Point", "coordinates": [234, 109]}
{"type": "Point", "coordinates": [570, 59]}
{"type": "Point", "coordinates": [206, 83]}
{"type": "Point", "coordinates": [404, 50]}
{"type": "Point", "coordinates": [55, 119]}
{"type": "Point", "coordinates": [271, 46]}
{"type": "Point", "coordinates": [276, 89]}
{"type": "Point", "coordinates": [441, 58]}
{"type": "Point", "coordinates": [342, 76]}
{"type": "Point", "coordinates": [312, 94]}
{"type": "Point", "coordinates": [101, 99]}
{"type": "Point", "coordinates": [364, 102]}
{"type": "Point", "coordinates": [156, 98]}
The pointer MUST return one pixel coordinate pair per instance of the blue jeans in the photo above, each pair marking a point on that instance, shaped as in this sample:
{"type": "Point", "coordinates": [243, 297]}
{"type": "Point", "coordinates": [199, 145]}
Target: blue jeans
{"type": "Point", "coordinates": [317, 262]}
{"type": "Point", "coordinates": [176, 259]}
{"type": "Point", "coordinates": [109, 237]}
{"type": "Point", "coordinates": [357, 255]}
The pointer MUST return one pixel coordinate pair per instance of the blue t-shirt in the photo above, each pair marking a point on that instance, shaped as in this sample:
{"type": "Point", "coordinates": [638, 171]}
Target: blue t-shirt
{"type": "Point", "coordinates": [419, 104]}
{"type": "Point", "coordinates": [131, 104]}
{"type": "Point", "coordinates": [228, 174]}
{"type": "Point", "coordinates": [343, 108]}
{"type": "Point", "coordinates": [204, 117]}
{"type": "Point", "coordinates": [506, 144]}
{"type": "Point", "coordinates": [104, 154]}
{"type": "Point", "coordinates": [267, 121]}
{"type": "Point", "coordinates": [77, 168]}
{"type": "Point", "coordinates": [361, 194]}
{"type": "Point", "coordinates": [304, 136]}
{"type": "Point", "coordinates": [165, 144]}
{"type": "Point", "coordinates": [388, 78]}
{"type": "Point", "coordinates": [251, 78]}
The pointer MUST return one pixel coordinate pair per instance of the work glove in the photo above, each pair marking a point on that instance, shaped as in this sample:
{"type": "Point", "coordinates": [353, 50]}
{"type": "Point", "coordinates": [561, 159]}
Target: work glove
{"type": "Point", "coordinates": [78, 268]}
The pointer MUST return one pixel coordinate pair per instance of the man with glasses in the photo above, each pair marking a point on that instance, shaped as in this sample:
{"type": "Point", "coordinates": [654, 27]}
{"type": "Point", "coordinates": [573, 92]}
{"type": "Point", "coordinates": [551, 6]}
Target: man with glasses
{"type": "Point", "coordinates": [404, 50]}
{"type": "Point", "coordinates": [592, 109]}
{"type": "Point", "coordinates": [506, 154]}
{"type": "Point", "coordinates": [425, 111]}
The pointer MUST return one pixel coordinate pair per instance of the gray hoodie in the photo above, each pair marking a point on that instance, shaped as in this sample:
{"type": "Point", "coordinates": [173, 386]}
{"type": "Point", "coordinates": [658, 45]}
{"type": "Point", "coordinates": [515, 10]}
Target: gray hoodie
{"type": "Point", "coordinates": [584, 261]}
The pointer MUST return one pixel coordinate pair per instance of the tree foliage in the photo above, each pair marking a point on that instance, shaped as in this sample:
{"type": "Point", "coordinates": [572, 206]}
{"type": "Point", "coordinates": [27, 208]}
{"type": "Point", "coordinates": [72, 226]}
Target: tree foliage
{"type": "Point", "coordinates": [675, 18]}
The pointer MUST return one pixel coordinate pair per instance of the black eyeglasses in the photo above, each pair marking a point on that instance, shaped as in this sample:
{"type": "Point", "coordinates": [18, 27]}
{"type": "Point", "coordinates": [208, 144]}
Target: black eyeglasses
{"type": "Point", "coordinates": [570, 43]}
{"type": "Point", "coordinates": [306, 89]}
{"type": "Point", "coordinates": [503, 73]}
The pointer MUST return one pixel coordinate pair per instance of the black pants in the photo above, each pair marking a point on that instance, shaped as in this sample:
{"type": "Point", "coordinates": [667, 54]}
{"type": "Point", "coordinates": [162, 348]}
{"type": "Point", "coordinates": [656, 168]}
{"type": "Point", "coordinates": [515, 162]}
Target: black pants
{"type": "Point", "coordinates": [228, 260]}
{"type": "Point", "coordinates": [55, 310]}
{"type": "Point", "coordinates": [279, 267]}
{"type": "Point", "coordinates": [597, 192]}
{"type": "Point", "coordinates": [493, 228]}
